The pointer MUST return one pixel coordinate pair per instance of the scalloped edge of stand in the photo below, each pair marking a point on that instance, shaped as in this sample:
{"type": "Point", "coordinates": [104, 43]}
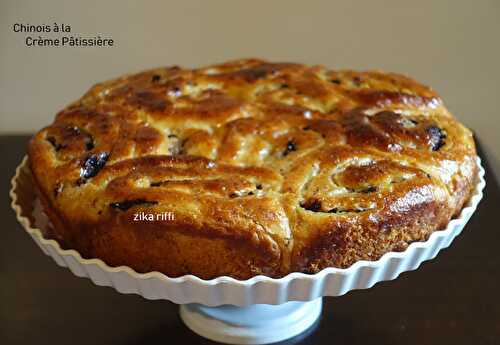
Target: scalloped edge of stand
{"type": "Point", "coordinates": [226, 290]}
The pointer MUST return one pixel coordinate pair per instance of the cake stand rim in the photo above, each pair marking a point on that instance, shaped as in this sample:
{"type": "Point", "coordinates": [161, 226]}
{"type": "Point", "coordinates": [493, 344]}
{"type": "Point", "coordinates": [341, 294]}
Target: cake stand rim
{"type": "Point", "coordinates": [50, 244]}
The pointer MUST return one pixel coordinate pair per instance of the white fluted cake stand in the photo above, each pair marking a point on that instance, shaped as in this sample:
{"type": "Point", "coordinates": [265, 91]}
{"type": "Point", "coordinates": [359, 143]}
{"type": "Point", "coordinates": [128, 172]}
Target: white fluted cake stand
{"type": "Point", "coordinates": [259, 310]}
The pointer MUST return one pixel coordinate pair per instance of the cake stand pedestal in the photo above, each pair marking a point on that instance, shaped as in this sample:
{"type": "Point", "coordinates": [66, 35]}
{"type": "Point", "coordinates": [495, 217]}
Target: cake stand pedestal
{"type": "Point", "coordinates": [255, 324]}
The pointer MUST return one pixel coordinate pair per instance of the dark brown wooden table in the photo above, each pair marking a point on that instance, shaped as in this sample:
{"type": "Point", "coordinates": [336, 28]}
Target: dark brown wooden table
{"type": "Point", "coordinates": [453, 299]}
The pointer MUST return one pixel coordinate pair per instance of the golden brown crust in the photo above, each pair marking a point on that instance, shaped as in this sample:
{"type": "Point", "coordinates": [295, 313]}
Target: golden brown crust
{"type": "Point", "coordinates": [268, 168]}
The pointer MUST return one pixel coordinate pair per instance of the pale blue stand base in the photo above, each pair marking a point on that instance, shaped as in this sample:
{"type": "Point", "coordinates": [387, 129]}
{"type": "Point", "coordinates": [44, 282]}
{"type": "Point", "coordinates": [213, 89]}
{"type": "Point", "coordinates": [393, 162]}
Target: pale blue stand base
{"type": "Point", "coordinates": [256, 324]}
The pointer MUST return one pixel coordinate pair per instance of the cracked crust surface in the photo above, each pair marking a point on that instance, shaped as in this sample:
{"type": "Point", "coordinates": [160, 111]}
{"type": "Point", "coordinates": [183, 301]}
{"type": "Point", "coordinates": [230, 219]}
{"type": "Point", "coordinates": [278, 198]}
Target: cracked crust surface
{"type": "Point", "coordinates": [268, 168]}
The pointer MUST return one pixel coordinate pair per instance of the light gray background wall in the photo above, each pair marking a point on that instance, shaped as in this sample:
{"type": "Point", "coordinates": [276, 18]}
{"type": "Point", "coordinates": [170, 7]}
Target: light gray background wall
{"type": "Point", "coordinates": [452, 45]}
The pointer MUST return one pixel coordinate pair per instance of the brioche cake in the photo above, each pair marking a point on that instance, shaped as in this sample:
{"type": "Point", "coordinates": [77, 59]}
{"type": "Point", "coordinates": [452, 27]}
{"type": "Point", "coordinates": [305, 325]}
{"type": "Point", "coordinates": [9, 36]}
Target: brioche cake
{"type": "Point", "coordinates": [262, 168]}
